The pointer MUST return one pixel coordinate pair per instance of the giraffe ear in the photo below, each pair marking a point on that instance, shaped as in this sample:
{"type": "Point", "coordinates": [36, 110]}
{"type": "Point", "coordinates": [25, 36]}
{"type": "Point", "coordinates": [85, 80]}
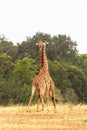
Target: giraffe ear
{"type": "Point", "coordinates": [47, 42]}
{"type": "Point", "coordinates": [36, 44]}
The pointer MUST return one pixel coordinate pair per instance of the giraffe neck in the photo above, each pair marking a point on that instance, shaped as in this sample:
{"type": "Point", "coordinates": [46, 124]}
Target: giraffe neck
{"type": "Point", "coordinates": [43, 58]}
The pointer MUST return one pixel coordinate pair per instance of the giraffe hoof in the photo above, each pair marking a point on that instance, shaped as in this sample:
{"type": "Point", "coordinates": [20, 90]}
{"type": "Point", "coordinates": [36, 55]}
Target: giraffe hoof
{"type": "Point", "coordinates": [37, 110]}
{"type": "Point", "coordinates": [47, 109]}
{"type": "Point", "coordinates": [27, 110]}
{"type": "Point", "coordinates": [55, 111]}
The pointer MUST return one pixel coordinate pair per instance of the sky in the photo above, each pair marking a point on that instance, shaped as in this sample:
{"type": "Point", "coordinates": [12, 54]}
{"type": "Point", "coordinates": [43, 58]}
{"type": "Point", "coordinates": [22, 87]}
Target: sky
{"type": "Point", "coordinates": [22, 18]}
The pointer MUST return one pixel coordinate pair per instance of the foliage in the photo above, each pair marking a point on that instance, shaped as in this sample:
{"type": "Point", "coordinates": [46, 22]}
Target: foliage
{"type": "Point", "coordinates": [25, 70]}
{"type": "Point", "coordinates": [82, 62]}
{"type": "Point", "coordinates": [23, 75]}
{"type": "Point", "coordinates": [78, 80]}
{"type": "Point", "coordinates": [8, 48]}
{"type": "Point", "coordinates": [20, 63]}
{"type": "Point", "coordinates": [62, 82]}
{"type": "Point", "coordinates": [17, 88]}
{"type": "Point", "coordinates": [6, 65]}
{"type": "Point", "coordinates": [62, 48]}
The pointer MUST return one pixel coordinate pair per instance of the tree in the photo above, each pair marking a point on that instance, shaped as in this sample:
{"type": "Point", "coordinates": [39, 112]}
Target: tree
{"type": "Point", "coordinates": [82, 62]}
{"type": "Point", "coordinates": [8, 47]}
{"type": "Point", "coordinates": [62, 48]}
{"type": "Point", "coordinates": [29, 48]}
{"type": "Point", "coordinates": [22, 76]}
{"type": "Point", "coordinates": [25, 70]}
{"type": "Point", "coordinates": [20, 63]}
{"type": "Point", "coordinates": [60, 77]}
{"type": "Point", "coordinates": [7, 92]}
{"type": "Point", "coordinates": [78, 80]}
{"type": "Point", "coordinates": [6, 65]}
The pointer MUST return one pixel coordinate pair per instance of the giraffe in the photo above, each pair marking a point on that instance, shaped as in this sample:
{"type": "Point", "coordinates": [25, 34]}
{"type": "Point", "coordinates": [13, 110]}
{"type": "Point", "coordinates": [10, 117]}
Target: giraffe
{"type": "Point", "coordinates": [43, 81]}
{"type": "Point", "coordinates": [50, 88]}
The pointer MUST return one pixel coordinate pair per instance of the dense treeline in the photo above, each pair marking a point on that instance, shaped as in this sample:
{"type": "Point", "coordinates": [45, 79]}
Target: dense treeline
{"type": "Point", "coordinates": [20, 63]}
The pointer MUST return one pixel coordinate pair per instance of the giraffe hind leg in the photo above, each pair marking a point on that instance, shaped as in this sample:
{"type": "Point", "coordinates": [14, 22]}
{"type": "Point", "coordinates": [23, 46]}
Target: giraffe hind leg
{"type": "Point", "coordinates": [52, 95]}
{"type": "Point", "coordinates": [42, 92]}
{"type": "Point", "coordinates": [39, 99]}
{"type": "Point", "coordinates": [47, 97]}
{"type": "Point", "coordinates": [32, 94]}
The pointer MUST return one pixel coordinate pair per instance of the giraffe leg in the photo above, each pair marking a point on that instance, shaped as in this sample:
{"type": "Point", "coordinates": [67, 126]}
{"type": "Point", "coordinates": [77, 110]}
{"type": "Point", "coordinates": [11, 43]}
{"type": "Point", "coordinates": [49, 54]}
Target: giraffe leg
{"type": "Point", "coordinates": [53, 99]}
{"type": "Point", "coordinates": [42, 91]}
{"type": "Point", "coordinates": [38, 102]}
{"type": "Point", "coordinates": [47, 97]}
{"type": "Point", "coordinates": [52, 94]}
{"type": "Point", "coordinates": [32, 94]}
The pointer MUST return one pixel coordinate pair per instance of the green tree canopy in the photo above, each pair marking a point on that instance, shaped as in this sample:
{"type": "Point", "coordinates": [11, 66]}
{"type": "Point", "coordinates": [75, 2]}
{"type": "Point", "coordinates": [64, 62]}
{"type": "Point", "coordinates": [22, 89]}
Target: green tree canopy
{"type": "Point", "coordinates": [6, 65]}
{"type": "Point", "coordinates": [19, 64]}
{"type": "Point", "coordinates": [25, 70]}
{"type": "Point", "coordinates": [60, 47]}
{"type": "Point", "coordinates": [78, 80]}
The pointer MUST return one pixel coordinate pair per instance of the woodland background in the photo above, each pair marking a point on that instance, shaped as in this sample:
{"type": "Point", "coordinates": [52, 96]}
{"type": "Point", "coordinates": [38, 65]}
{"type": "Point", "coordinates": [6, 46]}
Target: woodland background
{"type": "Point", "coordinates": [20, 63]}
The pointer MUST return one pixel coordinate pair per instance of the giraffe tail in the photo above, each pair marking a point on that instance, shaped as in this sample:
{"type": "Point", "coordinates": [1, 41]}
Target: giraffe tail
{"type": "Point", "coordinates": [52, 96]}
{"type": "Point", "coordinates": [55, 99]}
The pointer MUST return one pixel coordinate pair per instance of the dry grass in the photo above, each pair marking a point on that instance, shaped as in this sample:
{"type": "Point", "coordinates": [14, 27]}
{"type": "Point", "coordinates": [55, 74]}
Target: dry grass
{"type": "Point", "coordinates": [68, 117]}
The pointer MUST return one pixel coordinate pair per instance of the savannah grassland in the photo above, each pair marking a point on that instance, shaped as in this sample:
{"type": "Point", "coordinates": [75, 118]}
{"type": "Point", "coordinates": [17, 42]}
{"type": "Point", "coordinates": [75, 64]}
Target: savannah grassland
{"type": "Point", "coordinates": [68, 117]}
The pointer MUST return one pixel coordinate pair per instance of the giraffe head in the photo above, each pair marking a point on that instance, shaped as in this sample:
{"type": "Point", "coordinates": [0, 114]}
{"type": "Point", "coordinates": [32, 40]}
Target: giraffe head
{"type": "Point", "coordinates": [41, 43]}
